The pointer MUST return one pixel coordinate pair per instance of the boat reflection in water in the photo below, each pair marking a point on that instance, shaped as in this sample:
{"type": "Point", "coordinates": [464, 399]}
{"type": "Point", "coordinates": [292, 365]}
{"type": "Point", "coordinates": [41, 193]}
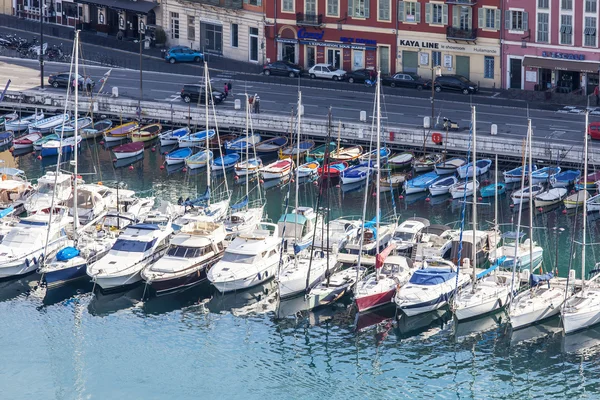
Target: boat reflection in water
{"type": "Point", "coordinates": [243, 302]}
{"type": "Point", "coordinates": [532, 333]}
{"type": "Point", "coordinates": [126, 162]}
{"type": "Point", "coordinates": [178, 300]}
{"type": "Point", "coordinates": [274, 183]}
{"type": "Point", "coordinates": [586, 342]}
{"type": "Point", "coordinates": [430, 323]}
{"type": "Point", "coordinates": [11, 288]}
{"type": "Point", "coordinates": [376, 316]}
{"type": "Point", "coordinates": [473, 327]}
{"type": "Point", "coordinates": [292, 306]}
{"type": "Point", "coordinates": [353, 187]}
{"type": "Point", "coordinates": [61, 293]}
{"type": "Point", "coordinates": [103, 304]}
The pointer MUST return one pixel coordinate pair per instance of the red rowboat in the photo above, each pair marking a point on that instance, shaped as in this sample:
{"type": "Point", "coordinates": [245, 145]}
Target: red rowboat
{"type": "Point", "coordinates": [129, 150]}
{"type": "Point", "coordinates": [332, 170]}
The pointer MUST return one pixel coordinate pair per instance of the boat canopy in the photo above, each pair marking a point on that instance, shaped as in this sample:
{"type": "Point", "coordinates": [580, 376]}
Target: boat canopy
{"type": "Point", "coordinates": [535, 280]}
{"type": "Point", "coordinates": [149, 227]}
{"type": "Point", "coordinates": [292, 218]}
{"type": "Point", "coordinates": [432, 276]}
{"type": "Point", "coordinates": [240, 204]}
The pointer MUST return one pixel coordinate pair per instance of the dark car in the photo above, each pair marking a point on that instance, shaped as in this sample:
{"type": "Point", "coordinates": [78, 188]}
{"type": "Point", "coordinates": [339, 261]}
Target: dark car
{"type": "Point", "coordinates": [407, 80]}
{"type": "Point", "coordinates": [183, 54]}
{"type": "Point", "coordinates": [284, 68]}
{"type": "Point", "coordinates": [63, 80]}
{"type": "Point", "coordinates": [455, 82]}
{"type": "Point", "coordinates": [196, 94]}
{"type": "Point", "coordinates": [360, 75]}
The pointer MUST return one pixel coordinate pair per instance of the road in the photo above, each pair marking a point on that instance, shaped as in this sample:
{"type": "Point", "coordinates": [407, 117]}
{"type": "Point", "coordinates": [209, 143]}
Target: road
{"type": "Point", "coordinates": [400, 107]}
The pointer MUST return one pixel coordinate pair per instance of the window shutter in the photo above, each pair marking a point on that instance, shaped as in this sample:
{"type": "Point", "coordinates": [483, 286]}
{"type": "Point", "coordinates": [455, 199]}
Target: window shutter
{"type": "Point", "coordinates": [418, 13]}
{"type": "Point", "coordinates": [525, 22]}
{"type": "Point", "coordinates": [367, 11]}
{"type": "Point", "coordinates": [506, 19]}
{"type": "Point", "coordinates": [455, 15]}
{"type": "Point", "coordinates": [480, 23]}
{"type": "Point", "coordinates": [497, 22]}
{"type": "Point", "coordinates": [428, 13]}
{"type": "Point", "coordinates": [445, 14]}
{"type": "Point", "coordinates": [400, 11]}
{"type": "Point", "coordinates": [350, 8]}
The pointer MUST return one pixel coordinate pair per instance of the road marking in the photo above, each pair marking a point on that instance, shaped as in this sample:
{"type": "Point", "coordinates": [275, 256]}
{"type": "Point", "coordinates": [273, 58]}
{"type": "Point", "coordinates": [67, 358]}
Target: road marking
{"type": "Point", "coordinates": [496, 94]}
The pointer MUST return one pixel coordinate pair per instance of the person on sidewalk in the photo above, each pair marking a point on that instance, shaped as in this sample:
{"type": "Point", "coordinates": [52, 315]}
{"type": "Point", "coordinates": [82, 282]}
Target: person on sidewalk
{"type": "Point", "coordinates": [88, 84]}
{"type": "Point", "coordinates": [74, 84]}
{"type": "Point", "coordinates": [226, 90]}
{"type": "Point", "coordinates": [256, 104]}
{"type": "Point", "coordinates": [597, 94]}
{"type": "Point", "coordinates": [251, 103]}
{"type": "Point", "coordinates": [229, 86]}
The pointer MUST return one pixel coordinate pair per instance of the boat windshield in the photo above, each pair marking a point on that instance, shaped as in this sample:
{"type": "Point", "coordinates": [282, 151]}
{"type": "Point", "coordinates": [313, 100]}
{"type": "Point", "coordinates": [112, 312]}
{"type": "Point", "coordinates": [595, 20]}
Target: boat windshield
{"type": "Point", "coordinates": [45, 188]}
{"type": "Point", "coordinates": [187, 252]}
{"type": "Point", "coordinates": [403, 236]}
{"type": "Point", "coordinates": [239, 258]}
{"type": "Point", "coordinates": [132, 246]}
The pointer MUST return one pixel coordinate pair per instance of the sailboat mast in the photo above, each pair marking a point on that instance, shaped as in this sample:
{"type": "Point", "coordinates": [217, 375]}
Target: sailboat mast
{"type": "Point", "coordinates": [474, 169]}
{"type": "Point", "coordinates": [247, 165]}
{"type": "Point", "coordinates": [496, 201]}
{"type": "Point", "coordinates": [530, 198]}
{"type": "Point", "coordinates": [297, 165]}
{"type": "Point", "coordinates": [585, 173]}
{"type": "Point", "coordinates": [377, 181]}
{"type": "Point", "coordinates": [75, 213]}
{"type": "Point", "coordinates": [206, 94]}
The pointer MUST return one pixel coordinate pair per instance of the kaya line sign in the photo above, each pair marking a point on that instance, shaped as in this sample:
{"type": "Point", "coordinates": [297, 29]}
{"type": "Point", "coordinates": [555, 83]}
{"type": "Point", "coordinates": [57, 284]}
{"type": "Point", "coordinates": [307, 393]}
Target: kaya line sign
{"type": "Point", "coordinates": [449, 47]}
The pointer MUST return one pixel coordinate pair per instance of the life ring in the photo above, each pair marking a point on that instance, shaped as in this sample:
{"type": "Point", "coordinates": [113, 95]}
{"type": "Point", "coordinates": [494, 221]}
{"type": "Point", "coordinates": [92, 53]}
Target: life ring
{"type": "Point", "coordinates": [437, 138]}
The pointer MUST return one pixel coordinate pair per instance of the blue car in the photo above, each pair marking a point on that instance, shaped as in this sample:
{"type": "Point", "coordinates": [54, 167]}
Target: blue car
{"type": "Point", "coordinates": [183, 54]}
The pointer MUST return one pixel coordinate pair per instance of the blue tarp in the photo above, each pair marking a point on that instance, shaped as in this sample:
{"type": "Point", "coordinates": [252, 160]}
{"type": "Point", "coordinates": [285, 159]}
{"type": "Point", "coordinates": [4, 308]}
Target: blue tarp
{"type": "Point", "coordinates": [67, 253]}
{"type": "Point", "coordinates": [7, 211]}
{"type": "Point", "coordinates": [492, 267]}
{"type": "Point", "coordinates": [535, 280]}
{"type": "Point", "coordinates": [240, 204]}
{"type": "Point", "coordinates": [432, 276]}
{"type": "Point", "coordinates": [299, 247]}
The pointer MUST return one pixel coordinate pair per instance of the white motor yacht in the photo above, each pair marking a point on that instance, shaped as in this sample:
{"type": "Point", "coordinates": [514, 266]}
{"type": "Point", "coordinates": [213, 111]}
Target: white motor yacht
{"type": "Point", "coordinates": [298, 228]}
{"type": "Point", "coordinates": [137, 247]}
{"type": "Point", "coordinates": [408, 234]}
{"type": "Point", "coordinates": [50, 185]}
{"type": "Point", "coordinates": [250, 259]}
{"type": "Point", "coordinates": [337, 233]}
{"type": "Point", "coordinates": [350, 253]}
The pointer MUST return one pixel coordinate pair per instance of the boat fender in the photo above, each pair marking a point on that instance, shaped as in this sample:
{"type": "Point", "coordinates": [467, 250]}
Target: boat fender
{"type": "Point", "coordinates": [27, 262]}
{"type": "Point", "coordinates": [3, 177]}
{"type": "Point", "coordinates": [41, 259]}
{"type": "Point", "coordinates": [258, 276]}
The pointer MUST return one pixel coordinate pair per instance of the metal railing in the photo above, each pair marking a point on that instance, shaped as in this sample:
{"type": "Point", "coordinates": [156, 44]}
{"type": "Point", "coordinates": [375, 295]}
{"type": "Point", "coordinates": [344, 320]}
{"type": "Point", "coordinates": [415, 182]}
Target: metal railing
{"type": "Point", "coordinates": [305, 19]}
{"type": "Point", "coordinates": [461, 34]}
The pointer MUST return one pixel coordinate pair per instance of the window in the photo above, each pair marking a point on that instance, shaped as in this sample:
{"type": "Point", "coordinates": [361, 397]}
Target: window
{"type": "Point", "coordinates": [516, 20]}
{"type": "Point", "coordinates": [212, 37]}
{"type": "Point", "coordinates": [566, 29]}
{"type": "Point", "coordinates": [544, 4]}
{"type": "Point", "coordinates": [254, 2]}
{"type": "Point", "coordinates": [358, 8]}
{"type": "Point", "coordinates": [542, 27]}
{"type": "Point", "coordinates": [310, 7]}
{"type": "Point", "coordinates": [409, 11]}
{"type": "Point", "coordinates": [590, 6]}
{"type": "Point", "coordinates": [488, 65]}
{"type": "Point", "coordinates": [489, 18]}
{"type": "Point", "coordinates": [253, 44]}
{"type": "Point", "coordinates": [384, 60]}
{"type": "Point", "coordinates": [174, 25]}
{"type": "Point", "coordinates": [436, 14]}
{"type": "Point", "coordinates": [566, 5]}
{"type": "Point", "coordinates": [287, 5]}
{"type": "Point", "coordinates": [436, 58]}
{"type": "Point", "coordinates": [333, 7]}
{"type": "Point", "coordinates": [191, 28]}
{"type": "Point", "coordinates": [384, 10]}
{"type": "Point", "coordinates": [234, 35]}
{"type": "Point", "coordinates": [590, 32]}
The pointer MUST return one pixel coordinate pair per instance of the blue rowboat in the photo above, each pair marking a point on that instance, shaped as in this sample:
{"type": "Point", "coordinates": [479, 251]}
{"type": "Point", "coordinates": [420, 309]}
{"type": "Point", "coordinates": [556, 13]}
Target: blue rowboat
{"type": "Point", "coordinates": [384, 153]}
{"type": "Point", "coordinates": [199, 159]}
{"type": "Point", "coordinates": [420, 183]}
{"type": "Point", "coordinates": [545, 174]}
{"type": "Point", "coordinates": [172, 137]}
{"type": "Point", "coordinates": [566, 178]}
{"type": "Point", "coordinates": [51, 147]}
{"type": "Point", "coordinates": [356, 173]}
{"type": "Point", "coordinates": [490, 190]}
{"type": "Point", "coordinates": [292, 151]}
{"type": "Point", "coordinates": [239, 145]}
{"type": "Point", "coordinates": [271, 145]}
{"type": "Point", "coordinates": [21, 124]}
{"type": "Point", "coordinates": [46, 125]}
{"type": "Point", "coordinates": [68, 129]}
{"type": "Point", "coordinates": [97, 129]}
{"type": "Point", "coordinates": [196, 139]}
{"type": "Point", "coordinates": [514, 175]}
{"type": "Point", "coordinates": [227, 161]}
{"type": "Point", "coordinates": [482, 166]}
{"type": "Point", "coordinates": [37, 145]}
{"type": "Point", "coordinates": [6, 137]}
{"type": "Point", "coordinates": [178, 156]}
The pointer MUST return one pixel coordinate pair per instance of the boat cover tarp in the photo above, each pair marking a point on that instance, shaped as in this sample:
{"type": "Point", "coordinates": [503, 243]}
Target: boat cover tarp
{"type": "Point", "coordinates": [432, 276]}
{"type": "Point", "coordinates": [7, 211]}
{"type": "Point", "coordinates": [299, 247]}
{"type": "Point", "coordinates": [380, 259]}
{"type": "Point", "coordinates": [67, 253]}
{"type": "Point", "coordinates": [535, 280]}
{"type": "Point", "coordinates": [240, 204]}
{"type": "Point", "coordinates": [199, 200]}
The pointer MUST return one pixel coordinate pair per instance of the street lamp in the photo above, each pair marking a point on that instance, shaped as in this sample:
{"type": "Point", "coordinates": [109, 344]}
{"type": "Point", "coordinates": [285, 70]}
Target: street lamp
{"type": "Point", "coordinates": [435, 71]}
{"type": "Point", "coordinates": [42, 8]}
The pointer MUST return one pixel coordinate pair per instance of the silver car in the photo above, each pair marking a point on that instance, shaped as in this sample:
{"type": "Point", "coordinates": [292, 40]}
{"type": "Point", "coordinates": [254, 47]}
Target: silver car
{"type": "Point", "coordinates": [326, 71]}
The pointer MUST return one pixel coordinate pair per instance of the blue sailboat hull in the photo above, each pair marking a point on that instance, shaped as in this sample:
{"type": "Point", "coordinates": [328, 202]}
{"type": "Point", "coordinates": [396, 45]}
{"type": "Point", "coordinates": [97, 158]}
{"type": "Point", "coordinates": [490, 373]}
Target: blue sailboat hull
{"type": "Point", "coordinates": [64, 276]}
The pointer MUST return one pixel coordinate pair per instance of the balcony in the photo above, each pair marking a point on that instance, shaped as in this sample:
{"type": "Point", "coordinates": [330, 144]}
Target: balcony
{"type": "Point", "coordinates": [462, 2]}
{"type": "Point", "coordinates": [303, 19]}
{"type": "Point", "coordinates": [461, 35]}
{"type": "Point", "coordinates": [232, 4]}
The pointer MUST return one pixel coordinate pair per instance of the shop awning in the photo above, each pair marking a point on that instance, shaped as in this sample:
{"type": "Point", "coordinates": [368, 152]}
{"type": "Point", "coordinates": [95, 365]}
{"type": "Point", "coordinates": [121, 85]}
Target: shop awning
{"type": "Point", "coordinates": [140, 7]}
{"type": "Point", "coordinates": [563, 65]}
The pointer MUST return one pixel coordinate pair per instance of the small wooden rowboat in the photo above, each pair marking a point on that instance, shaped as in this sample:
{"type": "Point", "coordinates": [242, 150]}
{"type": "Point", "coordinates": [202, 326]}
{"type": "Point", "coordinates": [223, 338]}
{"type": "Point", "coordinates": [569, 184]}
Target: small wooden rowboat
{"type": "Point", "coordinates": [271, 145]}
{"type": "Point", "coordinates": [178, 156]}
{"type": "Point", "coordinates": [97, 129]}
{"type": "Point", "coordinates": [145, 133]}
{"type": "Point", "coordinates": [26, 142]}
{"type": "Point", "coordinates": [308, 169]}
{"type": "Point", "coordinates": [128, 150]}
{"type": "Point", "coordinates": [119, 132]}
{"type": "Point", "coordinates": [277, 169]}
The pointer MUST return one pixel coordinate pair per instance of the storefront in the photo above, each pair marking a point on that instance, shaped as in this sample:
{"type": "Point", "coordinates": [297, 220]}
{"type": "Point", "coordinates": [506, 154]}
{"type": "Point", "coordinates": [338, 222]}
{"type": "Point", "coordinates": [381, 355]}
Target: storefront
{"type": "Point", "coordinates": [421, 52]}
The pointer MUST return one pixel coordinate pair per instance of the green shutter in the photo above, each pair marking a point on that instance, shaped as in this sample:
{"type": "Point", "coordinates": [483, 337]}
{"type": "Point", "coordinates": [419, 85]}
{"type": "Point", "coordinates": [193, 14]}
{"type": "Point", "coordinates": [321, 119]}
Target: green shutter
{"type": "Point", "coordinates": [455, 16]}
{"type": "Point", "coordinates": [350, 8]}
{"type": "Point", "coordinates": [400, 11]}
{"type": "Point", "coordinates": [445, 14]}
{"type": "Point", "coordinates": [507, 20]}
{"type": "Point", "coordinates": [497, 20]}
{"type": "Point", "coordinates": [418, 13]}
{"type": "Point", "coordinates": [428, 13]}
{"type": "Point", "coordinates": [367, 8]}
{"type": "Point", "coordinates": [481, 22]}
{"type": "Point", "coordinates": [525, 22]}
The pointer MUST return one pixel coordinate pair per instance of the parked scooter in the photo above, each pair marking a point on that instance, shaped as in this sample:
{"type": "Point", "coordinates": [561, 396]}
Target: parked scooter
{"type": "Point", "coordinates": [450, 125]}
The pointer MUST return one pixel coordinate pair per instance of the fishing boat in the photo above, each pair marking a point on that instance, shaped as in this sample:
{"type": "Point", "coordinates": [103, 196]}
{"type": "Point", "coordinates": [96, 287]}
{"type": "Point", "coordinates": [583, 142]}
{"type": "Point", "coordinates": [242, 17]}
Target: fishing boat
{"type": "Point", "coordinates": [250, 259]}
{"type": "Point", "coordinates": [514, 175]}
{"type": "Point", "coordinates": [249, 167]}
{"type": "Point", "coordinates": [196, 139]}
{"type": "Point", "coordinates": [449, 166]}
{"type": "Point", "coordinates": [420, 183]}
{"type": "Point", "coordinates": [546, 174]}
{"type": "Point", "coordinates": [566, 178]}
{"type": "Point", "coordinates": [145, 133]}
{"type": "Point", "coordinates": [69, 128]}
{"type": "Point", "coordinates": [458, 189]}
{"type": "Point", "coordinates": [426, 163]}
{"type": "Point", "coordinates": [240, 144]}
{"type": "Point", "coordinates": [590, 181]}
{"type": "Point", "coordinates": [199, 160]}
{"type": "Point", "coordinates": [226, 162]}
{"type": "Point", "coordinates": [13, 116]}
{"type": "Point", "coordinates": [307, 169]}
{"type": "Point", "coordinates": [21, 124]}
{"type": "Point", "coordinates": [356, 173]}
{"type": "Point", "coordinates": [172, 136]}
{"type": "Point", "coordinates": [52, 147]}
{"type": "Point", "coordinates": [332, 170]}
{"type": "Point", "coordinates": [277, 169]}
{"type": "Point", "coordinates": [46, 125]}
{"type": "Point", "coordinates": [522, 194]}
{"type": "Point", "coordinates": [218, 141]}
{"type": "Point", "coordinates": [178, 156]}
{"type": "Point", "coordinates": [550, 197]}
{"type": "Point", "coordinates": [6, 138]}
{"type": "Point", "coordinates": [442, 185]}
{"type": "Point", "coordinates": [318, 153]}
{"type": "Point", "coordinates": [128, 150]}
{"type": "Point", "coordinates": [371, 156]}
{"type": "Point", "coordinates": [576, 199]}
{"type": "Point", "coordinates": [394, 181]}
{"type": "Point", "coordinates": [593, 203]}
{"type": "Point", "coordinates": [401, 161]}
{"type": "Point", "coordinates": [272, 145]}
{"type": "Point", "coordinates": [482, 166]}
{"type": "Point", "coordinates": [97, 129]}
{"type": "Point", "coordinates": [297, 150]}
{"type": "Point", "coordinates": [37, 145]}
{"type": "Point", "coordinates": [490, 190]}
{"type": "Point", "coordinates": [191, 253]}
{"type": "Point", "coordinates": [120, 132]}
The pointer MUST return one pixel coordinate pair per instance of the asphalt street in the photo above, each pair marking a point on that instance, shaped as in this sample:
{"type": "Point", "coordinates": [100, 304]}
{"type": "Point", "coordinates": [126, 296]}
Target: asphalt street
{"type": "Point", "coordinates": [400, 107]}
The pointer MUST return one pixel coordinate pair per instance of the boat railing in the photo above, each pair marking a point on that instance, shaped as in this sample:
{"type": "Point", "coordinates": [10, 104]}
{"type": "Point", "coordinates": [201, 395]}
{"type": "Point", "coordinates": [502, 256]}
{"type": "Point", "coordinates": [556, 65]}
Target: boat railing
{"type": "Point", "coordinates": [49, 245]}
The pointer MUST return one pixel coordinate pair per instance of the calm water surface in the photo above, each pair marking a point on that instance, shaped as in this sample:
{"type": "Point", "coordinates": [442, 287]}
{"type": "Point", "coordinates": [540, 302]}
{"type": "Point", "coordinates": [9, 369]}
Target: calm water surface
{"type": "Point", "coordinates": [71, 344]}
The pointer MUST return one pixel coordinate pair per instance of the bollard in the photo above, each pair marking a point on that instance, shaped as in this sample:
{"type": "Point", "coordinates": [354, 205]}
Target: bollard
{"type": "Point", "coordinates": [426, 122]}
{"type": "Point", "coordinates": [494, 130]}
{"type": "Point", "coordinates": [363, 116]}
{"type": "Point", "coordinates": [115, 91]}
{"type": "Point", "coordinates": [237, 104]}
{"type": "Point", "coordinates": [301, 110]}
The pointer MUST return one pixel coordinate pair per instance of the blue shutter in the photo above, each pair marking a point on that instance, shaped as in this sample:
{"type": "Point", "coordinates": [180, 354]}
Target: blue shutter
{"type": "Point", "coordinates": [525, 22]}
{"type": "Point", "coordinates": [400, 11]}
{"type": "Point", "coordinates": [507, 19]}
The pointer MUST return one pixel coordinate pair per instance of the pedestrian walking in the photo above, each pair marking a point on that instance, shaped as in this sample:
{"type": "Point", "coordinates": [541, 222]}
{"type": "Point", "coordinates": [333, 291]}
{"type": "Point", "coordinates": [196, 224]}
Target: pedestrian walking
{"type": "Point", "coordinates": [226, 90]}
{"type": "Point", "coordinates": [597, 94]}
{"type": "Point", "coordinates": [256, 104]}
{"type": "Point", "coordinates": [74, 84]}
{"type": "Point", "coordinates": [229, 86]}
{"type": "Point", "coordinates": [251, 103]}
{"type": "Point", "coordinates": [89, 83]}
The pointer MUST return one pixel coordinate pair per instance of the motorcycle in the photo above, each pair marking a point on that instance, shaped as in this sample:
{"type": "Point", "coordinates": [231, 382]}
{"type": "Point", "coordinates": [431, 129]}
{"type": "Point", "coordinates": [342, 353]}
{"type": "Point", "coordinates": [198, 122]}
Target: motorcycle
{"type": "Point", "coordinates": [450, 125]}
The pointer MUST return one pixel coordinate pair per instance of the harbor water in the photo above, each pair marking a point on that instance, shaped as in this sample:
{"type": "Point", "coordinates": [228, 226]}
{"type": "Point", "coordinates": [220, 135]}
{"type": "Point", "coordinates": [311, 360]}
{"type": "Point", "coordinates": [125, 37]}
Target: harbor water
{"type": "Point", "coordinates": [72, 344]}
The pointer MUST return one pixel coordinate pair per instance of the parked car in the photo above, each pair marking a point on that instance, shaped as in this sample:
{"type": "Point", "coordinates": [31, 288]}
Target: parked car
{"type": "Point", "coordinates": [360, 75]}
{"type": "Point", "coordinates": [326, 71]}
{"type": "Point", "coordinates": [407, 80]}
{"type": "Point", "coordinates": [183, 54]}
{"type": "Point", "coordinates": [284, 68]}
{"type": "Point", "coordinates": [594, 130]}
{"type": "Point", "coordinates": [455, 82]}
{"type": "Point", "coordinates": [63, 79]}
{"type": "Point", "coordinates": [196, 93]}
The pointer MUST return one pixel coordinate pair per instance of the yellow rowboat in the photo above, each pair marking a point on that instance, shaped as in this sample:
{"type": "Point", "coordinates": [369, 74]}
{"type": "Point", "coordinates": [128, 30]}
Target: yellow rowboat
{"type": "Point", "coordinates": [119, 132]}
{"type": "Point", "coordinates": [145, 133]}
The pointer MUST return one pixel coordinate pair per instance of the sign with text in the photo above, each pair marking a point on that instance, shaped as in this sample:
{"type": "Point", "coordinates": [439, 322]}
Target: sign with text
{"type": "Point", "coordinates": [563, 56]}
{"type": "Point", "coordinates": [304, 34]}
{"type": "Point", "coordinates": [454, 47]}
